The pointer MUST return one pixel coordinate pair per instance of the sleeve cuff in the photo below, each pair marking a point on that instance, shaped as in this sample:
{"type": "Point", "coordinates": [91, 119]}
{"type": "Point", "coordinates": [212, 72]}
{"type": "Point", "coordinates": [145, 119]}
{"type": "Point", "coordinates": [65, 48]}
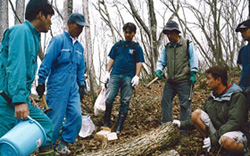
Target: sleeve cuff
{"type": "Point", "coordinates": [19, 99]}
{"type": "Point", "coordinates": [18, 103]}
{"type": "Point", "coordinates": [41, 81]}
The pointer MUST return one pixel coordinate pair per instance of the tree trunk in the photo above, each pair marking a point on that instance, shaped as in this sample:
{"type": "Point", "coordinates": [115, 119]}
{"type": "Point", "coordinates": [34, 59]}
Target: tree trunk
{"type": "Point", "coordinates": [68, 7]}
{"type": "Point", "coordinates": [248, 9]}
{"type": "Point", "coordinates": [3, 17]}
{"type": "Point", "coordinates": [163, 137]}
{"type": "Point", "coordinates": [20, 5]}
{"type": "Point", "coordinates": [89, 51]}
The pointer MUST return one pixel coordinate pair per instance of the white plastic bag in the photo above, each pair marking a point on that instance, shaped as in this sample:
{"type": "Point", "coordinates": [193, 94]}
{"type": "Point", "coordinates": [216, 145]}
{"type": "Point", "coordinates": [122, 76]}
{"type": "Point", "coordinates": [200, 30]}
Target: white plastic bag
{"type": "Point", "coordinates": [100, 106]}
{"type": "Point", "coordinates": [87, 126]}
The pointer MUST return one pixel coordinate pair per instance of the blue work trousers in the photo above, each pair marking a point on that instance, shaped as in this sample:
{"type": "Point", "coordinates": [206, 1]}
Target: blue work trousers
{"type": "Point", "coordinates": [171, 89]}
{"type": "Point", "coordinates": [8, 120]}
{"type": "Point", "coordinates": [122, 82]}
{"type": "Point", "coordinates": [66, 106]}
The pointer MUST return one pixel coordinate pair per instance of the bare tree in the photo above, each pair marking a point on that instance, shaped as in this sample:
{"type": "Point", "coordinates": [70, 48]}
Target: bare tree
{"type": "Point", "coordinates": [3, 17]}
{"type": "Point", "coordinates": [248, 9]}
{"type": "Point", "coordinates": [148, 35]}
{"type": "Point", "coordinates": [105, 16]}
{"type": "Point", "coordinates": [89, 51]}
{"type": "Point", "coordinates": [20, 5]}
{"type": "Point", "coordinates": [151, 43]}
{"type": "Point", "coordinates": [68, 8]}
{"type": "Point", "coordinates": [215, 21]}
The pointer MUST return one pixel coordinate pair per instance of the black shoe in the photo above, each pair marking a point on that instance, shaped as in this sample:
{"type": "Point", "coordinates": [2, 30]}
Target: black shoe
{"type": "Point", "coordinates": [47, 150]}
{"type": "Point", "coordinates": [120, 121]}
{"type": "Point", "coordinates": [107, 117]}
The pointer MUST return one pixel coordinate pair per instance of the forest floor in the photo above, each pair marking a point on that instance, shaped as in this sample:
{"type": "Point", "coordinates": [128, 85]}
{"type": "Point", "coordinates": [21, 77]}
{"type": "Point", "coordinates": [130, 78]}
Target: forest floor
{"type": "Point", "coordinates": [145, 115]}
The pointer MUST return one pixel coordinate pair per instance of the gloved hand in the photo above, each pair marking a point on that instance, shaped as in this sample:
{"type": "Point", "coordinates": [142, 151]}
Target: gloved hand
{"type": "Point", "coordinates": [106, 77]}
{"type": "Point", "coordinates": [135, 81]}
{"type": "Point", "coordinates": [158, 73]}
{"type": "Point", "coordinates": [177, 122]}
{"type": "Point", "coordinates": [193, 77]}
{"type": "Point", "coordinates": [40, 89]}
{"type": "Point", "coordinates": [207, 144]}
{"type": "Point", "coordinates": [81, 91]}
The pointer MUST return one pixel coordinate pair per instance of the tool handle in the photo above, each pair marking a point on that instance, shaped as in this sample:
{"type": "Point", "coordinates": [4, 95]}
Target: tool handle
{"type": "Point", "coordinates": [156, 78]}
{"type": "Point", "coordinates": [44, 102]}
{"type": "Point", "coordinates": [191, 93]}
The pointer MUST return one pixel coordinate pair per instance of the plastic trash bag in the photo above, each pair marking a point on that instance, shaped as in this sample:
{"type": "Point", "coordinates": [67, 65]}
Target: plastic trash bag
{"type": "Point", "coordinates": [100, 106]}
{"type": "Point", "coordinates": [87, 126]}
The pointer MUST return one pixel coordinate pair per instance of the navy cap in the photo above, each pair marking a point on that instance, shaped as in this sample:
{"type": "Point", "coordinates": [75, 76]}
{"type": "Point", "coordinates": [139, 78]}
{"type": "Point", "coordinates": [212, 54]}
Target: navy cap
{"type": "Point", "coordinates": [170, 26]}
{"type": "Point", "coordinates": [78, 18]}
{"type": "Point", "coordinates": [243, 25]}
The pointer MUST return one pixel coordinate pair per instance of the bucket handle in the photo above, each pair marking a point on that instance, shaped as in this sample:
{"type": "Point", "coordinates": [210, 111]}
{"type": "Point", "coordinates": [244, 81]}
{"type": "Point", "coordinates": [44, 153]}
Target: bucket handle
{"type": "Point", "coordinates": [30, 118]}
{"type": "Point", "coordinates": [20, 120]}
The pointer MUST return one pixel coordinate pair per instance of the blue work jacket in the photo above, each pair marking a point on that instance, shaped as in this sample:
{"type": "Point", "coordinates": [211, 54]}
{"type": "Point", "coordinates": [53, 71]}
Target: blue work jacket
{"type": "Point", "coordinates": [18, 61]}
{"type": "Point", "coordinates": [63, 64]}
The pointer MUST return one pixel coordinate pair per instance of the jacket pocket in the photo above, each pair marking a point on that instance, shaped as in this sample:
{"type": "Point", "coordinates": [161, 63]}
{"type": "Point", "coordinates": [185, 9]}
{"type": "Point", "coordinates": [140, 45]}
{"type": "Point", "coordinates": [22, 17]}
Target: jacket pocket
{"type": "Point", "coordinates": [64, 56]}
{"type": "Point", "coordinates": [78, 57]}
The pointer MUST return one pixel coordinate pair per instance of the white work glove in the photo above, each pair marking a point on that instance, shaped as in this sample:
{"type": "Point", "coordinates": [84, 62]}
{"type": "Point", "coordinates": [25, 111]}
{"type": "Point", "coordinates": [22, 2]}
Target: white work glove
{"type": "Point", "coordinates": [207, 144]}
{"type": "Point", "coordinates": [177, 122]}
{"type": "Point", "coordinates": [135, 81]}
{"type": "Point", "coordinates": [106, 77]}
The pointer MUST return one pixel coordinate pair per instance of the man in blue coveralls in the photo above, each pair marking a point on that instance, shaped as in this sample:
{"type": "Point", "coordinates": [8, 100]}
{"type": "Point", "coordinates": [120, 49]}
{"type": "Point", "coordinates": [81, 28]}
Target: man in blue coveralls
{"type": "Point", "coordinates": [126, 59]}
{"type": "Point", "coordinates": [182, 65]}
{"type": "Point", "coordinates": [64, 66]}
{"type": "Point", "coordinates": [244, 57]}
{"type": "Point", "coordinates": [18, 65]}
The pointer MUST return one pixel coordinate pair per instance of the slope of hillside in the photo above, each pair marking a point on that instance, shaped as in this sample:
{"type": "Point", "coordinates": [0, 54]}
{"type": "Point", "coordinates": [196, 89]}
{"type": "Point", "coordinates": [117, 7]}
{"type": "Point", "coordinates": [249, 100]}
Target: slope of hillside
{"type": "Point", "coordinates": [145, 115]}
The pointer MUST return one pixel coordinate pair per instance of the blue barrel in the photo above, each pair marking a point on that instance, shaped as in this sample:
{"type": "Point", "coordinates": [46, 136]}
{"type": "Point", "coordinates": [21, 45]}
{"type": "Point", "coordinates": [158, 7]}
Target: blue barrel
{"type": "Point", "coordinates": [23, 139]}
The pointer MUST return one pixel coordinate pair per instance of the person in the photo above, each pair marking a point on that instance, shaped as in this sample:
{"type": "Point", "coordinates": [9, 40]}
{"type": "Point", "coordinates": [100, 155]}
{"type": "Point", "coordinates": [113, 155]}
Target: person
{"type": "Point", "coordinates": [223, 118]}
{"type": "Point", "coordinates": [182, 65]}
{"type": "Point", "coordinates": [64, 66]}
{"type": "Point", "coordinates": [18, 65]}
{"type": "Point", "coordinates": [244, 57]}
{"type": "Point", "coordinates": [126, 59]}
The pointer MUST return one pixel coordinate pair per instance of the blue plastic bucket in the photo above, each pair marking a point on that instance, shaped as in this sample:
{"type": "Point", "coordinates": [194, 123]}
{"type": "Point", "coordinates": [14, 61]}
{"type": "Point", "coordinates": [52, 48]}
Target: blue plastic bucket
{"type": "Point", "coordinates": [23, 139]}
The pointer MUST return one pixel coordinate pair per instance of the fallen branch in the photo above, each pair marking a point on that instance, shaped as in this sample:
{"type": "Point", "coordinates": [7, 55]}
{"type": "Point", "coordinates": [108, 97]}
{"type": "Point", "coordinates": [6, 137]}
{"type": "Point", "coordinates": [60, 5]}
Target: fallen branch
{"type": "Point", "coordinates": [163, 137]}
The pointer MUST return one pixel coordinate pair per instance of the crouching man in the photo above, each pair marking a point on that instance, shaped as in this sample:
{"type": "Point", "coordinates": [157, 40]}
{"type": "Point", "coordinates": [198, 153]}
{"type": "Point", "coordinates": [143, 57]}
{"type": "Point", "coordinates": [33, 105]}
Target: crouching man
{"type": "Point", "coordinates": [223, 118]}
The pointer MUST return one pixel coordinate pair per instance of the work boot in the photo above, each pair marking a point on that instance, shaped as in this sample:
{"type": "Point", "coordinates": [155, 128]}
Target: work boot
{"type": "Point", "coordinates": [107, 117]}
{"type": "Point", "coordinates": [120, 121]}
{"type": "Point", "coordinates": [47, 150]}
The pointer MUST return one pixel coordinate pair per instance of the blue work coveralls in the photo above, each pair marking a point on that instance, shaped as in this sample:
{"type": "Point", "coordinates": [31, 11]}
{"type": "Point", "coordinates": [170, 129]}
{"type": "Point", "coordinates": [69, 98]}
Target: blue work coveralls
{"type": "Point", "coordinates": [18, 65]}
{"type": "Point", "coordinates": [64, 66]}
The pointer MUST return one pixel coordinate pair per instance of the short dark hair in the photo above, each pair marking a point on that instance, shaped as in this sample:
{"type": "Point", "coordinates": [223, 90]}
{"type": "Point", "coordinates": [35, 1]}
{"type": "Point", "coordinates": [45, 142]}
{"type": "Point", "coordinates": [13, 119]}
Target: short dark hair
{"type": "Point", "coordinates": [130, 26]}
{"type": "Point", "coordinates": [35, 6]}
{"type": "Point", "coordinates": [218, 71]}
